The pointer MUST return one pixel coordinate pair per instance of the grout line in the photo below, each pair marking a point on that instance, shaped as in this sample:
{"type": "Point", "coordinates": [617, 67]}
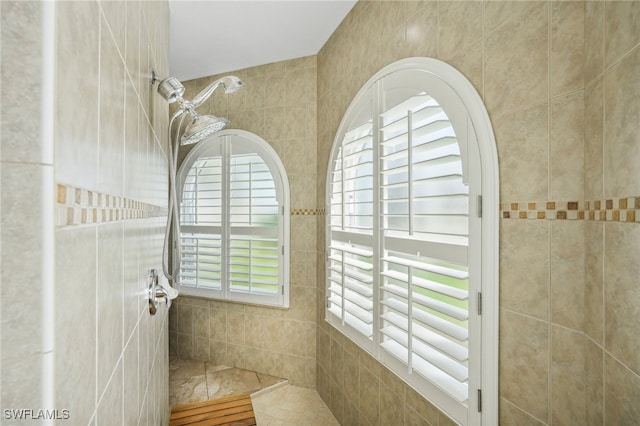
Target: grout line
{"type": "Point", "coordinates": [603, 73]}
{"type": "Point", "coordinates": [521, 108]}
{"type": "Point", "coordinates": [98, 100]}
{"type": "Point", "coordinates": [622, 364]}
{"type": "Point", "coordinates": [511, 311]}
{"type": "Point", "coordinates": [97, 318]}
{"type": "Point", "coordinates": [604, 308]}
{"type": "Point", "coordinates": [269, 389]}
{"type": "Point", "coordinates": [604, 88]}
{"type": "Point", "coordinates": [627, 54]}
{"type": "Point", "coordinates": [550, 168]}
{"type": "Point", "coordinates": [517, 407]}
{"type": "Point", "coordinates": [124, 340]}
{"type": "Point", "coordinates": [206, 380]}
{"type": "Point", "coordinates": [549, 117]}
{"type": "Point", "coordinates": [549, 318]}
{"type": "Point", "coordinates": [594, 342]}
{"type": "Point", "coordinates": [47, 225]}
{"type": "Point", "coordinates": [566, 94]}
{"type": "Point", "coordinates": [569, 329]}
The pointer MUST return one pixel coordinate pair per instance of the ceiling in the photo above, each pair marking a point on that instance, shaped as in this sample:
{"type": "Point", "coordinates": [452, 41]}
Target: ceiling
{"type": "Point", "coordinates": [209, 37]}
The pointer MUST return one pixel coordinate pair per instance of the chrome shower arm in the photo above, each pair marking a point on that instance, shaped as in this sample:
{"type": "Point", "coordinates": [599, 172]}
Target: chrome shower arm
{"type": "Point", "coordinates": [205, 93]}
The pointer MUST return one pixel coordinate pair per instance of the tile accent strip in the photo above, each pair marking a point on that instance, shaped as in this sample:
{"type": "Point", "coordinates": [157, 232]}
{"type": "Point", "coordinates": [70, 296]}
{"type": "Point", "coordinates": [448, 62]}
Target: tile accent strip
{"type": "Point", "coordinates": [307, 212]}
{"type": "Point", "coordinates": [78, 206]}
{"type": "Point", "coordinates": [610, 210]}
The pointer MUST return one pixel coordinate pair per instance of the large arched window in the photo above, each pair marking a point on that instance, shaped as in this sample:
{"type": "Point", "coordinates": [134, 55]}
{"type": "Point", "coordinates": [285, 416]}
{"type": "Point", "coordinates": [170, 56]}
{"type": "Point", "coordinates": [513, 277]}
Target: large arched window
{"type": "Point", "coordinates": [234, 217]}
{"type": "Point", "coordinates": [412, 270]}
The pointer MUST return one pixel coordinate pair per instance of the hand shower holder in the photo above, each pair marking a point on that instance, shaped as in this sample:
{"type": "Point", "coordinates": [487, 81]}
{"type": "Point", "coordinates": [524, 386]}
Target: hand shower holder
{"type": "Point", "coordinates": [156, 293]}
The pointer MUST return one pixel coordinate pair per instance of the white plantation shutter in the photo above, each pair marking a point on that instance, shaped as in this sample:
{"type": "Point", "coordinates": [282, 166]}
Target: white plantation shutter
{"type": "Point", "coordinates": [201, 224]}
{"type": "Point", "coordinates": [254, 218]}
{"type": "Point", "coordinates": [403, 235]}
{"type": "Point", "coordinates": [350, 291]}
{"type": "Point", "coordinates": [424, 209]}
{"type": "Point", "coordinates": [234, 221]}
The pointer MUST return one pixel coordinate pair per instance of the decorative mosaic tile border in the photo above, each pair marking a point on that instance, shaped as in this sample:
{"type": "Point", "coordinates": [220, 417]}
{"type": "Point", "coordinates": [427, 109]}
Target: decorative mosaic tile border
{"type": "Point", "coordinates": [611, 210]}
{"type": "Point", "coordinates": [78, 206]}
{"type": "Point", "coordinates": [307, 212]}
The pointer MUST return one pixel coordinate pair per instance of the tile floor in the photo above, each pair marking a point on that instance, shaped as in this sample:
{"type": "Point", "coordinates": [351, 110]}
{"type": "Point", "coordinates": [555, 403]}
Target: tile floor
{"type": "Point", "coordinates": [195, 381]}
{"type": "Point", "coordinates": [291, 406]}
{"type": "Point", "coordinates": [275, 402]}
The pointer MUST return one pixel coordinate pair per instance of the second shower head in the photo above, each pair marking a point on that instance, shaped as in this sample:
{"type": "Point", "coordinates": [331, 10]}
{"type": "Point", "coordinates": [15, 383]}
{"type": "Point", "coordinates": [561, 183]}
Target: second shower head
{"type": "Point", "coordinates": [201, 125]}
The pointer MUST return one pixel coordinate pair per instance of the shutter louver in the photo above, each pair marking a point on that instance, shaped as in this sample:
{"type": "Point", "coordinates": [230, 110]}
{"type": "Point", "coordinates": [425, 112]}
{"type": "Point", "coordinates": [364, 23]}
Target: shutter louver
{"type": "Point", "coordinates": [254, 264]}
{"type": "Point", "coordinates": [254, 220]}
{"type": "Point", "coordinates": [350, 275]}
{"type": "Point", "coordinates": [424, 313]}
{"type": "Point", "coordinates": [201, 220]}
{"type": "Point", "coordinates": [201, 261]}
{"type": "Point", "coordinates": [350, 286]}
{"type": "Point", "coordinates": [252, 196]}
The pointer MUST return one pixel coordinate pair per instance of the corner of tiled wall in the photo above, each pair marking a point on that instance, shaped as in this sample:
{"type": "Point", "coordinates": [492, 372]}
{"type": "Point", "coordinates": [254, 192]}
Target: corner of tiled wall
{"type": "Point", "coordinates": [26, 188]}
{"type": "Point", "coordinates": [278, 104]}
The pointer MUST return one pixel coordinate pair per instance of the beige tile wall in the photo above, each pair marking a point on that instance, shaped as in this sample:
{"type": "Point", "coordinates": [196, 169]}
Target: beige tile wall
{"type": "Point", "coordinates": [278, 103]}
{"type": "Point", "coordinates": [612, 149]}
{"type": "Point", "coordinates": [26, 168]}
{"type": "Point", "coordinates": [109, 358]}
{"type": "Point", "coordinates": [560, 82]}
{"type": "Point", "coordinates": [110, 142]}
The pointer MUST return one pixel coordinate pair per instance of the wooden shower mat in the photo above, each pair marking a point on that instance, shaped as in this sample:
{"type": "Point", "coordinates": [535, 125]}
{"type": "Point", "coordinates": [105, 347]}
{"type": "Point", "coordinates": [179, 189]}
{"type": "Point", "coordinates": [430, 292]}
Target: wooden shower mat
{"type": "Point", "coordinates": [229, 410]}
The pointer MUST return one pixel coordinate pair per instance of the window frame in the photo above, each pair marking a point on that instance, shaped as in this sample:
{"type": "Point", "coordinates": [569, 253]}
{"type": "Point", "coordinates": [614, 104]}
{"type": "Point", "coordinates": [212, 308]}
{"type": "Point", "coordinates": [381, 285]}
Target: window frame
{"type": "Point", "coordinates": [483, 140]}
{"type": "Point", "coordinates": [247, 141]}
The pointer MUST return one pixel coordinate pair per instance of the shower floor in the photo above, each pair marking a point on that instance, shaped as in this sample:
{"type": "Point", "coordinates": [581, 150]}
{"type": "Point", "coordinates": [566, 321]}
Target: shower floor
{"type": "Point", "coordinates": [275, 402]}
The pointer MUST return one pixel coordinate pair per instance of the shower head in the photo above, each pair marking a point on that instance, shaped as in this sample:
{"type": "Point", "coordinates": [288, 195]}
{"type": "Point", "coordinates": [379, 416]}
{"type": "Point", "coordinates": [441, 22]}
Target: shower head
{"type": "Point", "coordinates": [202, 126]}
{"type": "Point", "coordinates": [230, 84]}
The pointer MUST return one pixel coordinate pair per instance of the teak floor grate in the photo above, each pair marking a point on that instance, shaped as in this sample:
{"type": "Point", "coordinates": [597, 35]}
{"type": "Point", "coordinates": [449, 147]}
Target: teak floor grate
{"type": "Point", "coordinates": [234, 410]}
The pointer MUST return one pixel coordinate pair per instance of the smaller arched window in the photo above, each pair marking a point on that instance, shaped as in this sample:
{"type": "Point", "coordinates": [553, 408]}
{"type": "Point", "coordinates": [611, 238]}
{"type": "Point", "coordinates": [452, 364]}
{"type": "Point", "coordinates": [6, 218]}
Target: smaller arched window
{"type": "Point", "coordinates": [234, 218]}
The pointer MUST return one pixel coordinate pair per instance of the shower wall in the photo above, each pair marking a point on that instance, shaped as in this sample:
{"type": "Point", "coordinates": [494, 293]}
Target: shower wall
{"type": "Point", "coordinates": [612, 152]}
{"type": "Point", "coordinates": [278, 103]}
{"type": "Point", "coordinates": [26, 188]}
{"type": "Point", "coordinates": [84, 204]}
{"type": "Point", "coordinates": [561, 84]}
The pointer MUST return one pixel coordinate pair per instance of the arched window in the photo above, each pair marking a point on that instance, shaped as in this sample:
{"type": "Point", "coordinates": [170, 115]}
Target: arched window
{"type": "Point", "coordinates": [234, 217]}
{"type": "Point", "coordinates": [412, 270]}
